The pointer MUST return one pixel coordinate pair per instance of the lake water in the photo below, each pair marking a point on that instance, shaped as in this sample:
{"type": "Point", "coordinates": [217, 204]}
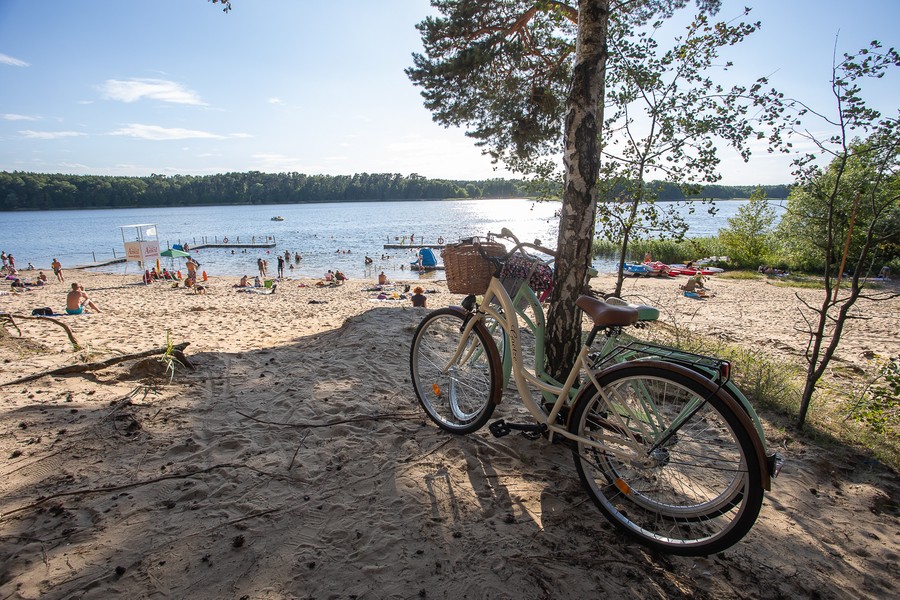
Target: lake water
{"type": "Point", "coordinates": [328, 235]}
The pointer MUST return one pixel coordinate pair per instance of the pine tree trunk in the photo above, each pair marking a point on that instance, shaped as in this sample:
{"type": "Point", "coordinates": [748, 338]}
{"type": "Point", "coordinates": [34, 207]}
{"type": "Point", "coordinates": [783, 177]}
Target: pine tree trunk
{"type": "Point", "coordinates": [584, 116]}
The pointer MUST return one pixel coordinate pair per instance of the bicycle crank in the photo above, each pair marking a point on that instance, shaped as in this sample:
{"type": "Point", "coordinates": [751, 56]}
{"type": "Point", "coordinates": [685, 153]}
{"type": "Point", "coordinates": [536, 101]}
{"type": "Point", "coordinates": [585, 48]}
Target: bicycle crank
{"type": "Point", "coordinates": [501, 428]}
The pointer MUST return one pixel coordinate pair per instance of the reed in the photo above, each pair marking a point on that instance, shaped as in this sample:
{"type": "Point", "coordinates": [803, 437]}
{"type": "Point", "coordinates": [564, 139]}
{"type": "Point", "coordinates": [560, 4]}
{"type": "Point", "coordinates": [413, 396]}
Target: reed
{"type": "Point", "coordinates": [667, 251]}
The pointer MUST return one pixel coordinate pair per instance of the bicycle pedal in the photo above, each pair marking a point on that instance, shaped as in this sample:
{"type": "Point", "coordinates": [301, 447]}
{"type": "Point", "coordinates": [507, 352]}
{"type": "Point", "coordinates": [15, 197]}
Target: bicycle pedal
{"type": "Point", "coordinates": [499, 428]}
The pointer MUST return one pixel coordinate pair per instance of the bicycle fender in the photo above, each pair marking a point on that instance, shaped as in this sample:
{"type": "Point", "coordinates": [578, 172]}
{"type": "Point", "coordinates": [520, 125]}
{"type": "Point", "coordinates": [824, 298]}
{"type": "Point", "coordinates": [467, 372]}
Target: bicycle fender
{"type": "Point", "coordinates": [493, 353]}
{"type": "Point", "coordinates": [734, 405]}
{"type": "Point", "coordinates": [732, 390]}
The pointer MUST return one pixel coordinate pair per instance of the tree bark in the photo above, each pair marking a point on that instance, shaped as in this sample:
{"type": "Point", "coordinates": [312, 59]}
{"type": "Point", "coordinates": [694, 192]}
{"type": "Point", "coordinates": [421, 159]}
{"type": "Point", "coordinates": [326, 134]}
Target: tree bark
{"type": "Point", "coordinates": [581, 159]}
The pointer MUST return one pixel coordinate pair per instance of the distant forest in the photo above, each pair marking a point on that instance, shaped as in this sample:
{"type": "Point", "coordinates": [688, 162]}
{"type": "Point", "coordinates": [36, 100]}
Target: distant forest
{"type": "Point", "coordinates": [41, 191]}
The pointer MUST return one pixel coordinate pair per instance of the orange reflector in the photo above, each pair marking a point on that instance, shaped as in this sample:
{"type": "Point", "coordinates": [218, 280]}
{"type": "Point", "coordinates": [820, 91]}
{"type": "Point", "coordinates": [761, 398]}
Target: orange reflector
{"type": "Point", "coordinates": [623, 487]}
{"type": "Point", "coordinates": [437, 390]}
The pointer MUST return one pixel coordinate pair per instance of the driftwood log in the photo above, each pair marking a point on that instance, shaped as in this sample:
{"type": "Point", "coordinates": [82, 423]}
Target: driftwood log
{"type": "Point", "coordinates": [178, 352]}
{"type": "Point", "coordinates": [9, 319]}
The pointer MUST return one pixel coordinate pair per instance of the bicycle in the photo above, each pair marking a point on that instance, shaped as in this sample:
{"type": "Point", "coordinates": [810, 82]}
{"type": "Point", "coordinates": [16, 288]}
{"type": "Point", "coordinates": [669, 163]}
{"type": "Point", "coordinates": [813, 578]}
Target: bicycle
{"type": "Point", "coordinates": [665, 453]}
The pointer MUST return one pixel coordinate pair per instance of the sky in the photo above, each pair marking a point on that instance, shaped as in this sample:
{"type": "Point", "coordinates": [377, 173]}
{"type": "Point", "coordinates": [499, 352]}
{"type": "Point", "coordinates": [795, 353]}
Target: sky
{"type": "Point", "coordinates": [127, 87]}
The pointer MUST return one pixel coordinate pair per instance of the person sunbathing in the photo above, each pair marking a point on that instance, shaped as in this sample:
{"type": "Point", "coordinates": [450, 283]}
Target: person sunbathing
{"type": "Point", "coordinates": [694, 284]}
{"type": "Point", "coordinates": [418, 298]}
{"type": "Point", "coordinates": [77, 299]}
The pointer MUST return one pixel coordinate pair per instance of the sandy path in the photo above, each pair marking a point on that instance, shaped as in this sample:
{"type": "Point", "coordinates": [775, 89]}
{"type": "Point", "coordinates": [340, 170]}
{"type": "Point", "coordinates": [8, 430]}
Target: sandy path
{"type": "Point", "coordinates": [294, 462]}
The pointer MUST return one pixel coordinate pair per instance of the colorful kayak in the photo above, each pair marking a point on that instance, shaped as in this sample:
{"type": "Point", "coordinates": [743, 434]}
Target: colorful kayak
{"type": "Point", "coordinates": [640, 269]}
{"type": "Point", "coordinates": [685, 270]}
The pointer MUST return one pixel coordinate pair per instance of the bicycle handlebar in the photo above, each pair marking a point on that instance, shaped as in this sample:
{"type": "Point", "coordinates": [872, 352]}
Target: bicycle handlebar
{"type": "Point", "coordinates": [509, 235]}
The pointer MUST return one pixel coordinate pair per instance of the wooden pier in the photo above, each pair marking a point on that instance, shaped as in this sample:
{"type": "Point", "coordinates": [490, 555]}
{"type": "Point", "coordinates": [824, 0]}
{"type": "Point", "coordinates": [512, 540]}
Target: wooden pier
{"type": "Point", "coordinates": [232, 245]}
{"type": "Point", "coordinates": [100, 263]}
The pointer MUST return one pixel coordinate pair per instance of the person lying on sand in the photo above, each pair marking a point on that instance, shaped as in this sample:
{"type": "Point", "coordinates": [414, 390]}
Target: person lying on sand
{"type": "Point", "coordinates": [77, 299]}
{"type": "Point", "coordinates": [261, 291]}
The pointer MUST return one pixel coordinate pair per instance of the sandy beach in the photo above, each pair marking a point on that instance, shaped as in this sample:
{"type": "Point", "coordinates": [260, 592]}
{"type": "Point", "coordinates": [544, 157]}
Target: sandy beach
{"type": "Point", "coordinates": [293, 461]}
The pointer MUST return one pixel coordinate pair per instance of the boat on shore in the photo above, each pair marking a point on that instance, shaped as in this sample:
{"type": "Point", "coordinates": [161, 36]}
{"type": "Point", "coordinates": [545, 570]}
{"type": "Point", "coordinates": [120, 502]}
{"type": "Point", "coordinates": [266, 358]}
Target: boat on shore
{"type": "Point", "coordinates": [686, 270]}
{"type": "Point", "coordinates": [642, 270]}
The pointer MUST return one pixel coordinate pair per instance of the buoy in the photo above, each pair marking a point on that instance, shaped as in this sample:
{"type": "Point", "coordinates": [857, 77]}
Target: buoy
{"type": "Point", "coordinates": [224, 240]}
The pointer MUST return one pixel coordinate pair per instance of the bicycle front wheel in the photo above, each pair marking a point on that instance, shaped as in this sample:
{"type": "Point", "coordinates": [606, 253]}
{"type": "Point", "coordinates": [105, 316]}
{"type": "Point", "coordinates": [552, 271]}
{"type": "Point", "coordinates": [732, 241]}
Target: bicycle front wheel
{"type": "Point", "coordinates": [676, 466]}
{"type": "Point", "coordinates": [459, 396]}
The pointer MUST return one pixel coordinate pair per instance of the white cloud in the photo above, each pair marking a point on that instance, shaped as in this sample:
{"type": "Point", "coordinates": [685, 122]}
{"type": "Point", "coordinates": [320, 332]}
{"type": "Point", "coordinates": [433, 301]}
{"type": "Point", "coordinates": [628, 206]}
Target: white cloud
{"type": "Point", "coordinates": [278, 163]}
{"type": "Point", "coordinates": [276, 100]}
{"type": "Point", "coordinates": [49, 135]}
{"type": "Point", "coordinates": [14, 117]}
{"type": "Point", "coordinates": [156, 133]}
{"type": "Point", "coordinates": [133, 90]}
{"type": "Point", "coordinates": [5, 59]}
{"type": "Point", "coordinates": [71, 167]}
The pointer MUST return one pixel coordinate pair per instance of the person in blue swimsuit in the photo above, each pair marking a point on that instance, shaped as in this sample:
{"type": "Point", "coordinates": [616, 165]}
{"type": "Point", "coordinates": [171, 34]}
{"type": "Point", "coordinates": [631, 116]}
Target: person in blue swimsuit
{"type": "Point", "coordinates": [77, 299]}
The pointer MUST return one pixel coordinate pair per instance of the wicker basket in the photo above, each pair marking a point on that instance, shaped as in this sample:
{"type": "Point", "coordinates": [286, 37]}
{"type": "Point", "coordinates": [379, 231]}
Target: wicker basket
{"type": "Point", "coordinates": [468, 272]}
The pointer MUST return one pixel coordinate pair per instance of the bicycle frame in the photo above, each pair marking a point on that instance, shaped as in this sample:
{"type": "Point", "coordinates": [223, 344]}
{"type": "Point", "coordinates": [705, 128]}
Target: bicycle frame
{"type": "Point", "coordinates": [526, 298]}
{"type": "Point", "coordinates": [508, 321]}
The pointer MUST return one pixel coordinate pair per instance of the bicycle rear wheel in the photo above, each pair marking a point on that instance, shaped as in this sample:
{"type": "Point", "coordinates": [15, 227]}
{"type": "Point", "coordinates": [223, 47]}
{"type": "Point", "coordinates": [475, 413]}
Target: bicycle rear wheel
{"type": "Point", "coordinates": [679, 469]}
{"type": "Point", "coordinates": [459, 397]}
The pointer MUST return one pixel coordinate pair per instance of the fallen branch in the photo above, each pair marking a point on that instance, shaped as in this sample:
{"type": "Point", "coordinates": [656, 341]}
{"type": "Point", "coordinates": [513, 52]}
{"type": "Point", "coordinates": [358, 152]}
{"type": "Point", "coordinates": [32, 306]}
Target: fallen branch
{"type": "Point", "coordinates": [357, 419]}
{"type": "Point", "coordinates": [7, 317]}
{"type": "Point", "coordinates": [96, 366]}
{"type": "Point", "coordinates": [125, 486]}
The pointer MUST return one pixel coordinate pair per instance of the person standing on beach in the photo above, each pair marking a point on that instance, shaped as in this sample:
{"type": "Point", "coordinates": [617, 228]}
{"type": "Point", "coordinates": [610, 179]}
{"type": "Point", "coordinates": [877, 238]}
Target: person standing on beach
{"type": "Point", "coordinates": [280, 267]}
{"type": "Point", "coordinates": [191, 269]}
{"type": "Point", "coordinates": [57, 270]}
{"type": "Point", "coordinates": [259, 265]}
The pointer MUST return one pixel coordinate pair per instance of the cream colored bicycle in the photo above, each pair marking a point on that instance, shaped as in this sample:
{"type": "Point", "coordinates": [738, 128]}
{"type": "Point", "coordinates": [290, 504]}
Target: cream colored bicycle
{"type": "Point", "coordinates": [666, 453]}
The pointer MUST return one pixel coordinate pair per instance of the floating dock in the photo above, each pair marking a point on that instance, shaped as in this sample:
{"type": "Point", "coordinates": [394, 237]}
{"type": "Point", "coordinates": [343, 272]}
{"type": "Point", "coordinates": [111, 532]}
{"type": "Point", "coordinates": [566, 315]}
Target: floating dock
{"type": "Point", "coordinates": [232, 245]}
{"type": "Point", "coordinates": [412, 246]}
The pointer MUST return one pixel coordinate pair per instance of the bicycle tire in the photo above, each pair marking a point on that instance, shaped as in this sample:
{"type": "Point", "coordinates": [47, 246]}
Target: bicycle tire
{"type": "Point", "coordinates": [462, 398]}
{"type": "Point", "coordinates": [697, 493]}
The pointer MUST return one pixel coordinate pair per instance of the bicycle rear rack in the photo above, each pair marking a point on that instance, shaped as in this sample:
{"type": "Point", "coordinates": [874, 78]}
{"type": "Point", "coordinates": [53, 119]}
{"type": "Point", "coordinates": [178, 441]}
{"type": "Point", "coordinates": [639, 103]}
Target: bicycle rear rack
{"type": "Point", "coordinates": [638, 350]}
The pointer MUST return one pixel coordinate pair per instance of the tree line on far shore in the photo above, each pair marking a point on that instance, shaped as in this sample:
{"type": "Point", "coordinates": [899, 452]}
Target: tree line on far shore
{"type": "Point", "coordinates": [42, 191]}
